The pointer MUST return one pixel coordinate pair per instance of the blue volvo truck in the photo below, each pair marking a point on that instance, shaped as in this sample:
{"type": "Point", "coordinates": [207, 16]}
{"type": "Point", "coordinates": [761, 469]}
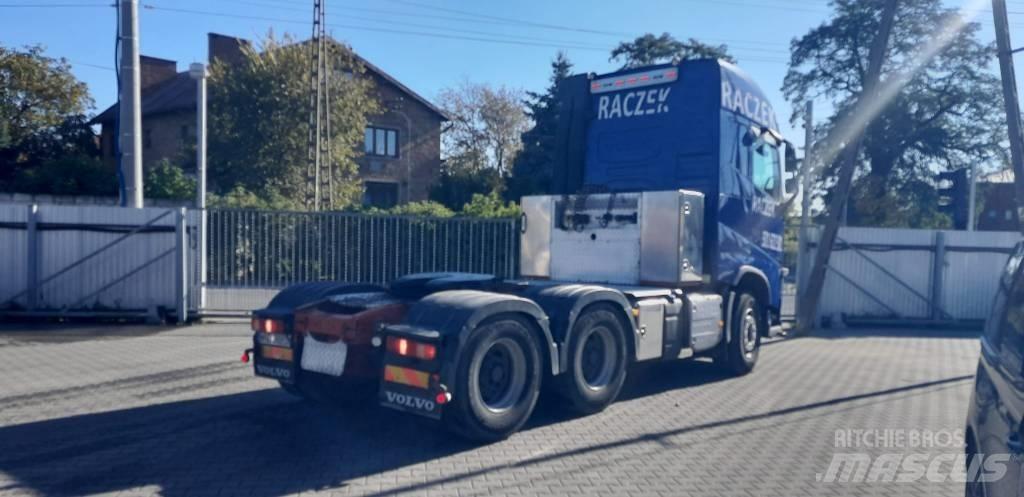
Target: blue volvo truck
{"type": "Point", "coordinates": [661, 240]}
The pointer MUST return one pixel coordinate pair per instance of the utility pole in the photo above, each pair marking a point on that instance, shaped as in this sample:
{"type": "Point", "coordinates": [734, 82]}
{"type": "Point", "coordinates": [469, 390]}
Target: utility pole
{"type": "Point", "coordinates": [198, 72]}
{"type": "Point", "coordinates": [848, 163]}
{"type": "Point", "coordinates": [319, 177]}
{"type": "Point", "coordinates": [130, 100]}
{"type": "Point", "coordinates": [803, 261]}
{"type": "Point", "coordinates": [1013, 123]}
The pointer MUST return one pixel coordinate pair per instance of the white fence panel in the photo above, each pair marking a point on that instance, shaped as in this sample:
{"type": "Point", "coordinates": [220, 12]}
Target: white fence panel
{"type": "Point", "coordinates": [94, 259]}
{"type": "Point", "coordinates": [971, 261]}
{"type": "Point", "coordinates": [14, 247]}
{"type": "Point", "coordinates": [912, 267]}
{"type": "Point", "coordinates": [87, 229]}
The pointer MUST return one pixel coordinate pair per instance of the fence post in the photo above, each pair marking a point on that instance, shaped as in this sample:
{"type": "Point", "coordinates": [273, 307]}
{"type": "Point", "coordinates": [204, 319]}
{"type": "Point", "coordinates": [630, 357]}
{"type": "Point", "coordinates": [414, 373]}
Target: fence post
{"type": "Point", "coordinates": [32, 262]}
{"type": "Point", "coordinates": [181, 266]}
{"type": "Point", "coordinates": [938, 266]}
{"type": "Point", "coordinates": [200, 285]}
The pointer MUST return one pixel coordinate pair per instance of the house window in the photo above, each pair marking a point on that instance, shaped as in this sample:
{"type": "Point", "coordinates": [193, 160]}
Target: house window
{"type": "Point", "coordinates": [381, 142]}
{"type": "Point", "coordinates": [380, 194]}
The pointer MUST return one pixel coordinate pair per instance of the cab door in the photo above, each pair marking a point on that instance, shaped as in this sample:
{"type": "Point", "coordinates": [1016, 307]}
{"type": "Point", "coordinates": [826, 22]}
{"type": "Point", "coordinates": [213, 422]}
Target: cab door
{"type": "Point", "coordinates": [1001, 427]}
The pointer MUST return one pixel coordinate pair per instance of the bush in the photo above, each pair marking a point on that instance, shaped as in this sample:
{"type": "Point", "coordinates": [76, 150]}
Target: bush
{"type": "Point", "coordinates": [427, 208]}
{"type": "Point", "coordinates": [240, 198]}
{"type": "Point", "coordinates": [490, 206]}
{"type": "Point", "coordinates": [68, 175]}
{"type": "Point", "coordinates": [168, 181]}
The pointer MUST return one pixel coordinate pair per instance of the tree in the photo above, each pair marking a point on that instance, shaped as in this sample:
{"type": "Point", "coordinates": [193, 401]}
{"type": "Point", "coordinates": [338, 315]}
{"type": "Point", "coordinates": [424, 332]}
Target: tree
{"type": "Point", "coordinates": [458, 182]}
{"type": "Point", "coordinates": [259, 122]}
{"type": "Point", "coordinates": [43, 130]}
{"type": "Point", "coordinates": [945, 117]}
{"type": "Point", "coordinates": [70, 174]}
{"type": "Point", "coordinates": [532, 170]}
{"type": "Point", "coordinates": [649, 49]}
{"type": "Point", "coordinates": [486, 128]}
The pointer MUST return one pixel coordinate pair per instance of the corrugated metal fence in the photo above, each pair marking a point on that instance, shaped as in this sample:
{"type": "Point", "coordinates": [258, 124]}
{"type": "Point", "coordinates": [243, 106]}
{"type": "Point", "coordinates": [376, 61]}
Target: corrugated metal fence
{"type": "Point", "coordinates": [61, 260]}
{"type": "Point", "coordinates": [913, 274]}
{"type": "Point", "coordinates": [99, 260]}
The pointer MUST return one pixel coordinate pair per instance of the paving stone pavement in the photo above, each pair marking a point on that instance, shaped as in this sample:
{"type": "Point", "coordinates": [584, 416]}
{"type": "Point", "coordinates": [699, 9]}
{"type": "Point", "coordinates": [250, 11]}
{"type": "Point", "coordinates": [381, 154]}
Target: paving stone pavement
{"type": "Point", "coordinates": [140, 411]}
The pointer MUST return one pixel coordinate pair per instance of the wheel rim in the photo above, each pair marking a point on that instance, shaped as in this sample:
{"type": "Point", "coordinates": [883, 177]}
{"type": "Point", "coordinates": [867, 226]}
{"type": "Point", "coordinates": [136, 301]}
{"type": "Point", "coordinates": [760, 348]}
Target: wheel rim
{"type": "Point", "coordinates": [595, 359]}
{"type": "Point", "coordinates": [748, 331]}
{"type": "Point", "coordinates": [501, 375]}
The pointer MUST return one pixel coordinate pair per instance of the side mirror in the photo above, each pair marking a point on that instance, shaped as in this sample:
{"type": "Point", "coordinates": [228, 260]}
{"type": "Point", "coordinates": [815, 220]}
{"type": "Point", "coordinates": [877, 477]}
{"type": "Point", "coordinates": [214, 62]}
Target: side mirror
{"type": "Point", "coordinates": [792, 184]}
{"type": "Point", "coordinates": [791, 160]}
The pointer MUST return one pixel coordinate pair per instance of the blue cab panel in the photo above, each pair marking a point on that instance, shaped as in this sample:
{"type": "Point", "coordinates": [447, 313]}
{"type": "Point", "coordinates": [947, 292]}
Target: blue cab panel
{"type": "Point", "coordinates": [700, 125]}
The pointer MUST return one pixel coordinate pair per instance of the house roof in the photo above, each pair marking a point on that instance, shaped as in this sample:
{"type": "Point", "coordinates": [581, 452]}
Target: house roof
{"type": "Point", "coordinates": [390, 79]}
{"type": "Point", "coordinates": [175, 94]}
{"type": "Point", "coordinates": [179, 94]}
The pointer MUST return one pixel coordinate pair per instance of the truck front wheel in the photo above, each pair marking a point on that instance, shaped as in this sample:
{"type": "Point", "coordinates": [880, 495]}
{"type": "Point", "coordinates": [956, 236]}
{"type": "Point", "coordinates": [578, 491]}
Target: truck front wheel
{"type": "Point", "coordinates": [597, 361]}
{"type": "Point", "coordinates": [739, 352]}
{"type": "Point", "coordinates": [498, 381]}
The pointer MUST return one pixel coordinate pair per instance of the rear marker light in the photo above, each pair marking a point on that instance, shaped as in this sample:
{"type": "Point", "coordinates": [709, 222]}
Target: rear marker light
{"type": "Point", "coordinates": [409, 348]}
{"type": "Point", "coordinates": [267, 325]}
{"type": "Point", "coordinates": [443, 398]}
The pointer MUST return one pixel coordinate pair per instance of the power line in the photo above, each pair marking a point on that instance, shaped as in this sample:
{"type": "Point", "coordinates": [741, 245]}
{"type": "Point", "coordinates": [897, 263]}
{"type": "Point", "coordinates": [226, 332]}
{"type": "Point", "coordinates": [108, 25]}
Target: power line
{"type": "Point", "coordinates": [51, 5]}
{"type": "Point", "coordinates": [428, 26]}
{"type": "Point", "coordinates": [512, 20]}
{"type": "Point", "coordinates": [734, 44]}
{"type": "Point", "coordinates": [382, 30]}
{"type": "Point", "coordinates": [97, 66]}
{"type": "Point", "coordinates": [506, 41]}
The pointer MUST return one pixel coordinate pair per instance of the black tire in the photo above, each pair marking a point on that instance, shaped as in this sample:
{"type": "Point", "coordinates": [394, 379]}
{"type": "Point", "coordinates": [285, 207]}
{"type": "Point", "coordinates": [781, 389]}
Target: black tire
{"type": "Point", "coordinates": [597, 361]}
{"type": "Point", "coordinates": [738, 354]}
{"type": "Point", "coordinates": [497, 381]}
{"type": "Point", "coordinates": [973, 487]}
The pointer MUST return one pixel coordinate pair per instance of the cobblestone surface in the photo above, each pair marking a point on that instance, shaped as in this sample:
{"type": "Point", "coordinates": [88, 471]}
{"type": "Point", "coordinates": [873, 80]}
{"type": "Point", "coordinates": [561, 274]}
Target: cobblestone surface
{"type": "Point", "coordinates": [137, 411]}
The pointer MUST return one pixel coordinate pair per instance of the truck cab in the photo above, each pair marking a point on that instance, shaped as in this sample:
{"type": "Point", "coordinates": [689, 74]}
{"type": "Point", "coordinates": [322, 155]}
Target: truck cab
{"type": "Point", "coordinates": [702, 126]}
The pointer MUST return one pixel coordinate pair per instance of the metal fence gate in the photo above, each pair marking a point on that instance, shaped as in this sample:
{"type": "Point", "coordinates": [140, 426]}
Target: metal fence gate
{"type": "Point", "coordinates": [253, 254]}
{"type": "Point", "coordinates": [97, 261]}
{"type": "Point", "coordinates": [886, 275]}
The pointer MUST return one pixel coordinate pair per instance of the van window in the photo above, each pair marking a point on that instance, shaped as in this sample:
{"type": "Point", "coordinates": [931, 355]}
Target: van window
{"type": "Point", "coordinates": [994, 324]}
{"type": "Point", "coordinates": [1011, 334]}
{"type": "Point", "coordinates": [765, 168]}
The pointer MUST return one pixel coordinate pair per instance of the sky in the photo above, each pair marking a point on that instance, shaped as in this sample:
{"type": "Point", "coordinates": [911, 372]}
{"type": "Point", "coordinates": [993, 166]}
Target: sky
{"type": "Point", "coordinates": [433, 44]}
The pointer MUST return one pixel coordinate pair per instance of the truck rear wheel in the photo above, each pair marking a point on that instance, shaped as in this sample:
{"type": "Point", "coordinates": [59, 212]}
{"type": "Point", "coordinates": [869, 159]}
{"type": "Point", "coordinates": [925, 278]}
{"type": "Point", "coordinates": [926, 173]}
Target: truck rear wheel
{"type": "Point", "coordinates": [597, 361]}
{"type": "Point", "coordinates": [739, 353]}
{"type": "Point", "coordinates": [498, 381]}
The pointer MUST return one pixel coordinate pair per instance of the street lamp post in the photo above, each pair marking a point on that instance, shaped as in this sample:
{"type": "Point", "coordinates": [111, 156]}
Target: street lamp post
{"type": "Point", "coordinates": [198, 72]}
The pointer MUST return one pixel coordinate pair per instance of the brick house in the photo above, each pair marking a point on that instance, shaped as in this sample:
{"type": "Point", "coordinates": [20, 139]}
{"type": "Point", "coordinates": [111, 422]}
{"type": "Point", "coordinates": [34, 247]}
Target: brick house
{"type": "Point", "coordinates": [401, 154]}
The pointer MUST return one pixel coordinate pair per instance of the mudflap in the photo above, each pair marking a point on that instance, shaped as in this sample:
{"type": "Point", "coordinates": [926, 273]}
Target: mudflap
{"type": "Point", "coordinates": [410, 384]}
{"type": "Point", "coordinates": [410, 399]}
{"type": "Point", "coordinates": [275, 357]}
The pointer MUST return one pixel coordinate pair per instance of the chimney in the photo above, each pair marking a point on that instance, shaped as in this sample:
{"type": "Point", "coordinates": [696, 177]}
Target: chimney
{"type": "Point", "coordinates": [227, 49]}
{"type": "Point", "coordinates": [155, 71]}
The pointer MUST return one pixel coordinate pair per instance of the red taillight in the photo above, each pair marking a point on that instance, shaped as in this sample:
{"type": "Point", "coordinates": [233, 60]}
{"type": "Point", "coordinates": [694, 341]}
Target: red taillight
{"type": "Point", "coordinates": [409, 348]}
{"type": "Point", "coordinates": [267, 325]}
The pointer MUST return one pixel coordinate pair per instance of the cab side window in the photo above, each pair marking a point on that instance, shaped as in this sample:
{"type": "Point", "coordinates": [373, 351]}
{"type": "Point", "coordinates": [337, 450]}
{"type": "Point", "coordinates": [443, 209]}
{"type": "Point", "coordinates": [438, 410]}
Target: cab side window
{"type": "Point", "coordinates": [764, 168]}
